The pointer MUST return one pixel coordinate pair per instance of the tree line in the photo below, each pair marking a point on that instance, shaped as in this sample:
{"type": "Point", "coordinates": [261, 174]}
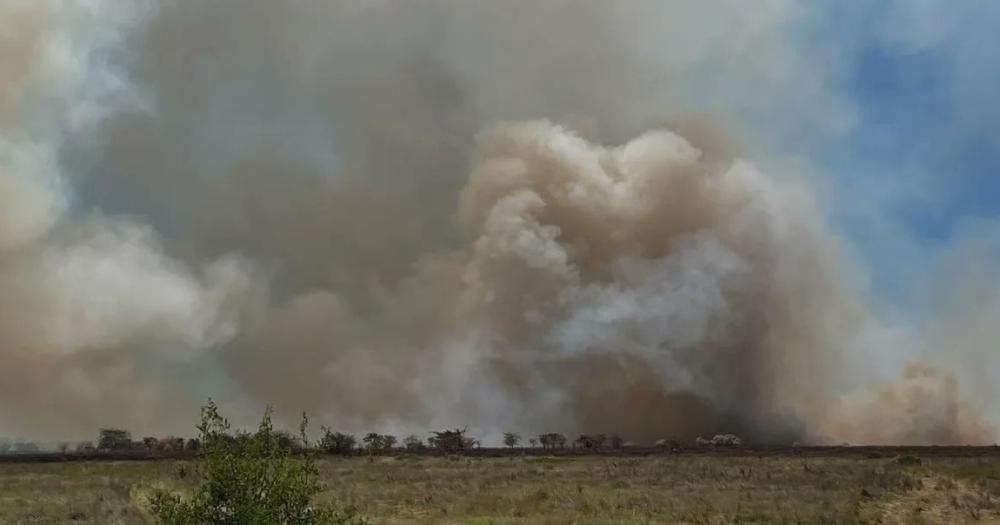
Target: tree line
{"type": "Point", "coordinates": [112, 440]}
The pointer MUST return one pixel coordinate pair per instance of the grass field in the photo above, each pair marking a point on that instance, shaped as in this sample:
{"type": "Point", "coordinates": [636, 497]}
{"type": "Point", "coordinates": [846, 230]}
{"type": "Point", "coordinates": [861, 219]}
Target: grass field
{"type": "Point", "coordinates": [596, 489]}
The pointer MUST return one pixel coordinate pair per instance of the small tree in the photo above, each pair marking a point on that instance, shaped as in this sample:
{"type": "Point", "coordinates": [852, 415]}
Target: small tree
{"type": "Point", "coordinates": [413, 443]}
{"type": "Point", "coordinates": [336, 442]}
{"type": "Point", "coordinates": [617, 441]}
{"type": "Point", "coordinates": [511, 439]}
{"type": "Point", "coordinates": [114, 439]}
{"type": "Point", "coordinates": [248, 479]}
{"type": "Point", "coordinates": [533, 442]}
{"type": "Point", "coordinates": [449, 440]}
{"type": "Point", "coordinates": [373, 442]}
{"type": "Point", "coordinates": [552, 440]}
{"type": "Point", "coordinates": [388, 441]}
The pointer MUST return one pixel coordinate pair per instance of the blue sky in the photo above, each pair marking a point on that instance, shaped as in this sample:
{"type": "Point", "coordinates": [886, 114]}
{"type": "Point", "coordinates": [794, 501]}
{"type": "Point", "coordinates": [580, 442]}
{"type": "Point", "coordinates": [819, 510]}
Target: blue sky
{"type": "Point", "coordinates": [922, 158]}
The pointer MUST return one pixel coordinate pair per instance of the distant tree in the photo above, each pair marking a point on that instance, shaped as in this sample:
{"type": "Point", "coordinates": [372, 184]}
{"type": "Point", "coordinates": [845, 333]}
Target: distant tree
{"type": "Point", "coordinates": [336, 442]}
{"type": "Point", "coordinates": [617, 441]}
{"type": "Point", "coordinates": [552, 440]}
{"type": "Point", "coordinates": [192, 445]}
{"type": "Point", "coordinates": [585, 441]}
{"type": "Point", "coordinates": [449, 440]}
{"type": "Point", "coordinates": [511, 439]}
{"type": "Point", "coordinates": [169, 444]}
{"type": "Point", "coordinates": [177, 443]}
{"type": "Point", "coordinates": [533, 442]}
{"type": "Point", "coordinates": [388, 441]}
{"type": "Point", "coordinates": [373, 442]}
{"type": "Point", "coordinates": [288, 440]}
{"type": "Point", "coordinates": [63, 447]}
{"type": "Point", "coordinates": [114, 439]}
{"type": "Point", "coordinates": [413, 443]}
{"type": "Point", "coordinates": [150, 442]}
{"type": "Point", "coordinates": [85, 446]}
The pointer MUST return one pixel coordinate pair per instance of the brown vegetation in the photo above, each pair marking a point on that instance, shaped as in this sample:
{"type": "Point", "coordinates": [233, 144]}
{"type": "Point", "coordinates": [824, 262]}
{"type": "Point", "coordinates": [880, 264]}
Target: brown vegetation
{"type": "Point", "coordinates": [565, 487]}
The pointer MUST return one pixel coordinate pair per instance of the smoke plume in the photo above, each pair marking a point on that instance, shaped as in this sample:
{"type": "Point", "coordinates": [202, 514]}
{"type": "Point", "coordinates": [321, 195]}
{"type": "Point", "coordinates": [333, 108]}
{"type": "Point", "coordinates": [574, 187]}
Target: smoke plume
{"type": "Point", "coordinates": [410, 215]}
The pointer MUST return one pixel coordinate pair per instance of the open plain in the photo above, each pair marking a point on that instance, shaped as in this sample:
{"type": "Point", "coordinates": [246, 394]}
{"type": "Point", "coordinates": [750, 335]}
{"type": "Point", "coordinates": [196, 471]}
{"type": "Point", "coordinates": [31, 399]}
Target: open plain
{"type": "Point", "coordinates": [837, 485]}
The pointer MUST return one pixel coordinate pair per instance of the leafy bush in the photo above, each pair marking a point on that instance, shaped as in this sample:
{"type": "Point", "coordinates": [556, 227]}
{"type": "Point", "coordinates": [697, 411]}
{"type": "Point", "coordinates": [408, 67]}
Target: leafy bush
{"type": "Point", "coordinates": [248, 479]}
{"type": "Point", "coordinates": [336, 442]}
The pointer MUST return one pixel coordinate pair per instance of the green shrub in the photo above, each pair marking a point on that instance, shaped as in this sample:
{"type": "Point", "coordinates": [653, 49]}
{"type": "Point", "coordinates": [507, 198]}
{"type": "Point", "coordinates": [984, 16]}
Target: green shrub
{"type": "Point", "coordinates": [336, 442]}
{"type": "Point", "coordinates": [248, 479]}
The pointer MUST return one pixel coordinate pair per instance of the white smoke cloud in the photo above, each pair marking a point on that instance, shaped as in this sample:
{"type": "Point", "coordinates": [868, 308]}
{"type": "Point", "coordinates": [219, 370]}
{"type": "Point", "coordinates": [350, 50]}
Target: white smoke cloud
{"type": "Point", "coordinates": [275, 204]}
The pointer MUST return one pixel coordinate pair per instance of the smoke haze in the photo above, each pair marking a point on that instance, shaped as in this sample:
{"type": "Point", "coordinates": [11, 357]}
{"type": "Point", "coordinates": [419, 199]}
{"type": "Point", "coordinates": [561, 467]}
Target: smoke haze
{"type": "Point", "coordinates": [411, 215]}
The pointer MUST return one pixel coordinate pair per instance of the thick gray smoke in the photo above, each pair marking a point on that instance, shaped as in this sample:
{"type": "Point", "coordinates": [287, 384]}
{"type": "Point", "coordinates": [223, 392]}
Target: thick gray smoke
{"type": "Point", "coordinates": [403, 215]}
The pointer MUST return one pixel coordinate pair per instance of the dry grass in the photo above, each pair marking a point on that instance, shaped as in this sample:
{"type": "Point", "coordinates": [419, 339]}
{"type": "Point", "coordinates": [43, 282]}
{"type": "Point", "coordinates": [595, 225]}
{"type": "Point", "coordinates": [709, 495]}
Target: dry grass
{"type": "Point", "coordinates": [541, 490]}
{"type": "Point", "coordinates": [79, 492]}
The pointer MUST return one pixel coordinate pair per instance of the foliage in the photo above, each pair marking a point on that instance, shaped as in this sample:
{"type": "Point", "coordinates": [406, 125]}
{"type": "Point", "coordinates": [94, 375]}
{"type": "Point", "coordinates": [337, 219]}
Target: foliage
{"type": "Point", "coordinates": [336, 442]}
{"type": "Point", "coordinates": [511, 439]}
{"type": "Point", "coordinates": [375, 442]}
{"type": "Point", "coordinates": [114, 439]}
{"type": "Point", "coordinates": [290, 441]}
{"type": "Point", "coordinates": [248, 479]}
{"type": "Point", "coordinates": [449, 440]}
{"type": "Point", "coordinates": [552, 440]}
{"type": "Point", "coordinates": [413, 443]}
{"type": "Point", "coordinates": [591, 441]}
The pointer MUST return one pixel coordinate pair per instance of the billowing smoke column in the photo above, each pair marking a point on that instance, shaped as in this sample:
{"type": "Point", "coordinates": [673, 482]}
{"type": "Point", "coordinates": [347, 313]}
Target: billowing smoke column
{"type": "Point", "coordinates": [299, 213]}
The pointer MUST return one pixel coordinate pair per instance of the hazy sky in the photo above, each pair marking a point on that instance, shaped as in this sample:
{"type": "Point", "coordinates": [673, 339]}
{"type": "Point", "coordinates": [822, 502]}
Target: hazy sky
{"type": "Point", "coordinates": [304, 204]}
